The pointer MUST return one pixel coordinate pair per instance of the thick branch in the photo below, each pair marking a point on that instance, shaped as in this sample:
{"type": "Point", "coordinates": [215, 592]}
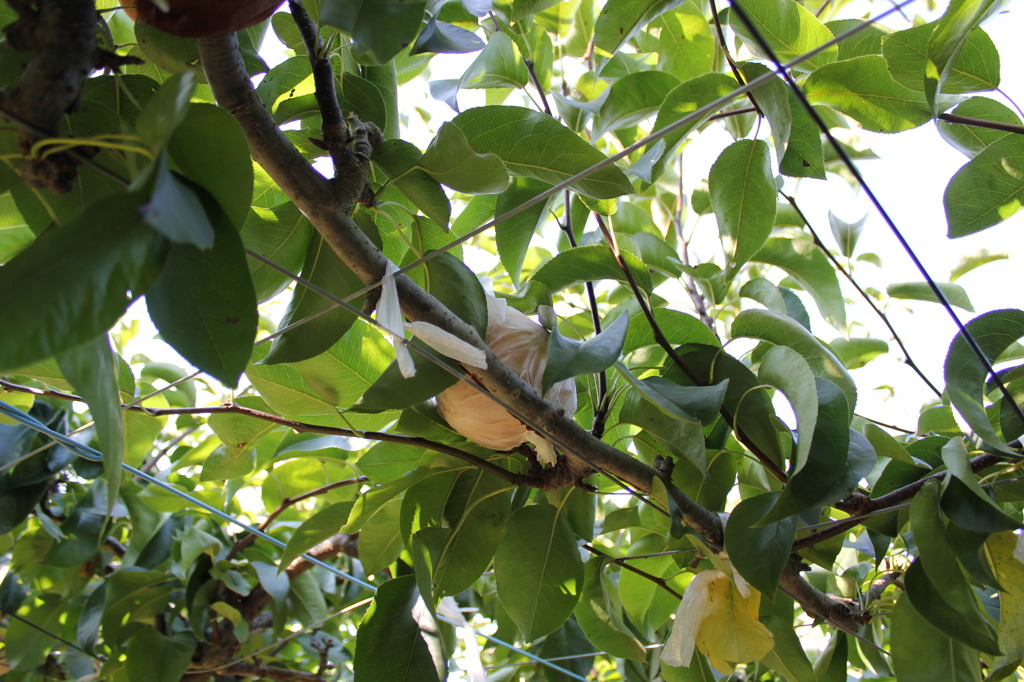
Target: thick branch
{"type": "Point", "coordinates": [314, 197]}
{"type": "Point", "coordinates": [64, 33]}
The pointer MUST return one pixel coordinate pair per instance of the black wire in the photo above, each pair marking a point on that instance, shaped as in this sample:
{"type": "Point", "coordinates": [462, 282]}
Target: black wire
{"type": "Point", "coordinates": [848, 162]}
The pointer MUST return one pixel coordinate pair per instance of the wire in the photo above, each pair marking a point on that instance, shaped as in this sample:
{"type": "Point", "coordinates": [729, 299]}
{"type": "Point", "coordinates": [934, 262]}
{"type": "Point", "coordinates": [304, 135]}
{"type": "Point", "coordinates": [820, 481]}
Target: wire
{"type": "Point", "coordinates": [90, 454]}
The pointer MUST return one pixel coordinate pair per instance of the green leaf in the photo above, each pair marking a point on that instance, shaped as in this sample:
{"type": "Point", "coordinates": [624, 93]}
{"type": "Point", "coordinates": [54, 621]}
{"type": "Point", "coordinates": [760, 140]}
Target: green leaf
{"type": "Point", "coordinates": [805, 263]}
{"type": "Point", "coordinates": [795, 134]}
{"type": "Point", "coordinates": [966, 375]}
{"type": "Point", "coordinates": [976, 68]}
{"type": "Point", "coordinates": [965, 501]}
{"type": "Point", "coordinates": [209, 148]}
{"type": "Point", "coordinates": [1010, 571]}
{"type": "Point", "coordinates": [282, 235]}
{"type": "Point", "coordinates": [157, 657]}
{"type": "Point", "coordinates": [400, 161]}
{"type": "Point", "coordinates": [477, 511]}
{"type": "Point", "coordinates": [620, 19]}
{"type": "Point", "coordinates": [204, 305]}
{"type": "Point", "coordinates": [668, 427]}
{"type": "Point", "coordinates": [790, 29]}
{"type": "Point", "coordinates": [314, 389]}
{"type": "Point", "coordinates": [589, 264]}
{"type": "Point", "coordinates": [855, 353]}
{"type": "Point", "coordinates": [971, 140]}
{"type": "Point", "coordinates": [988, 189]}
{"type": "Point", "coordinates": [920, 653]}
{"type": "Point", "coordinates": [568, 358]}
{"type": "Point", "coordinates": [600, 615]}
{"type": "Point", "coordinates": [743, 190]}
{"type": "Point", "coordinates": [782, 331]}
{"type": "Point", "coordinates": [380, 539]}
{"type": "Point", "coordinates": [73, 283]}
{"type": "Point", "coordinates": [314, 530]}
{"type": "Point", "coordinates": [442, 37]}
{"type": "Point", "coordinates": [863, 89]}
{"type": "Point", "coordinates": [686, 48]}
{"type": "Point", "coordinates": [681, 102]}
{"type": "Point", "coordinates": [499, 65]}
{"type": "Point", "coordinates": [512, 236]}
{"type": "Point", "coordinates": [398, 623]}
{"type": "Point", "coordinates": [974, 260]}
{"type": "Point", "coordinates": [936, 585]}
{"type": "Point", "coordinates": [866, 41]}
{"type": "Point", "coordinates": [534, 145]}
{"type": "Point", "coordinates": [678, 327]}
{"type": "Point", "coordinates": [759, 552]}
{"type": "Point", "coordinates": [450, 160]}
{"type": "Point", "coordinates": [174, 209]}
{"type": "Point", "coordinates": [450, 281]}
{"type": "Point", "coordinates": [947, 41]}
{"type": "Point", "coordinates": [789, 372]}
{"type": "Point", "coordinates": [538, 570]}
{"type": "Point", "coordinates": [846, 234]}
{"type": "Point", "coordinates": [379, 29]}
{"type": "Point", "coordinates": [324, 269]}
{"type": "Point", "coordinates": [970, 628]}
{"type": "Point", "coordinates": [824, 476]}
{"type": "Point", "coordinates": [632, 99]}
{"type": "Point", "coordinates": [787, 655]}
{"type": "Point", "coordinates": [921, 291]}
{"type": "Point", "coordinates": [166, 110]}
{"type": "Point", "coordinates": [91, 368]}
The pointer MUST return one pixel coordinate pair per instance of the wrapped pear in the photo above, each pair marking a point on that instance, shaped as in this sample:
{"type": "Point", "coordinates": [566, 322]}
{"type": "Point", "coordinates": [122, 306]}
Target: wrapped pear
{"type": "Point", "coordinates": [522, 345]}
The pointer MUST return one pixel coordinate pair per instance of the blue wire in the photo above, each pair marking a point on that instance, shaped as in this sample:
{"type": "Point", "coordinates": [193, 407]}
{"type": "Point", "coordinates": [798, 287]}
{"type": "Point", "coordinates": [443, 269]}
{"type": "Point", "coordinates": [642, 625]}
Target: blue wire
{"type": "Point", "coordinates": [88, 453]}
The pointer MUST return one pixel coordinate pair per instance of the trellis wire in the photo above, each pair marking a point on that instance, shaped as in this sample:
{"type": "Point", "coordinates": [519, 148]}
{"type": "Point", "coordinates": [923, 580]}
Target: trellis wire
{"type": "Point", "coordinates": [93, 455]}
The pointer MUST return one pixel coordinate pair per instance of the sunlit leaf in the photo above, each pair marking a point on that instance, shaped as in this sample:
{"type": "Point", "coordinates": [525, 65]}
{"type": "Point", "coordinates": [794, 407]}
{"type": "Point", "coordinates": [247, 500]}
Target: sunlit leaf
{"type": "Point", "coordinates": [536, 146]}
{"type": "Point", "coordinates": [538, 570]}
{"type": "Point", "coordinates": [743, 190]}
{"type": "Point", "coordinates": [922, 291]}
{"type": "Point", "coordinates": [988, 189]}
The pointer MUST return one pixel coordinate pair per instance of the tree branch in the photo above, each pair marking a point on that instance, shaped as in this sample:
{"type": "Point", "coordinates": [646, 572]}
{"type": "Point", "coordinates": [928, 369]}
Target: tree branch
{"type": "Point", "coordinates": [64, 33]}
{"type": "Point", "coordinates": [325, 207]}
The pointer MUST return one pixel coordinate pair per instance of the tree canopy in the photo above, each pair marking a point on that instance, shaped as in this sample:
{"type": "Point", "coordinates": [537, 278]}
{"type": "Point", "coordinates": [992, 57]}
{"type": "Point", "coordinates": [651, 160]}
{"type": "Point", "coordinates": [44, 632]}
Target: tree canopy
{"type": "Point", "coordinates": [304, 377]}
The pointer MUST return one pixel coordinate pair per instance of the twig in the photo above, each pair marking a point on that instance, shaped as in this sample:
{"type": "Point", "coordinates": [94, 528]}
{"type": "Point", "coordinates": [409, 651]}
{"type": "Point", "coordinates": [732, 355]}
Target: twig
{"type": "Point", "coordinates": [982, 123]}
{"type": "Point", "coordinates": [285, 504]}
{"type": "Point", "coordinates": [622, 563]}
{"type": "Point", "coordinates": [600, 408]}
{"type": "Point", "coordinates": [659, 337]}
{"type": "Point", "coordinates": [863, 294]}
{"type": "Point", "coordinates": [303, 427]}
{"type": "Point", "coordinates": [336, 137]}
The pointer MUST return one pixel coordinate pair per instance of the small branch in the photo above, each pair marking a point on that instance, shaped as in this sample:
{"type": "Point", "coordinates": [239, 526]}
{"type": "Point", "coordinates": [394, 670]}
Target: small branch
{"type": "Point", "coordinates": [302, 427]}
{"type": "Point", "coordinates": [270, 673]}
{"type": "Point", "coordinates": [659, 337]}
{"type": "Point", "coordinates": [860, 505]}
{"type": "Point", "coordinates": [285, 504]}
{"type": "Point", "coordinates": [336, 137]}
{"type": "Point", "coordinates": [622, 563]}
{"type": "Point", "coordinates": [982, 123]}
{"type": "Point", "coordinates": [536, 83]}
{"type": "Point", "coordinates": [728, 57]}
{"type": "Point", "coordinates": [863, 294]}
{"type": "Point", "coordinates": [600, 409]}
{"type": "Point", "coordinates": [845, 614]}
{"type": "Point", "coordinates": [878, 586]}
{"type": "Point", "coordinates": [341, 543]}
